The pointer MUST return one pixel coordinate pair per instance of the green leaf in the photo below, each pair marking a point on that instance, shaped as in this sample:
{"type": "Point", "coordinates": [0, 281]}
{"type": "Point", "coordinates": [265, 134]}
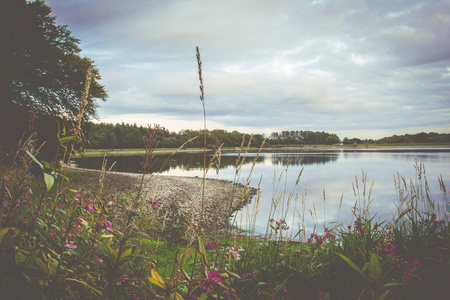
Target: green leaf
{"type": "Point", "coordinates": [383, 296]}
{"type": "Point", "coordinates": [4, 231]}
{"type": "Point", "coordinates": [52, 265]}
{"type": "Point", "coordinates": [67, 138]}
{"type": "Point", "coordinates": [201, 246]}
{"type": "Point", "coordinates": [374, 267]}
{"type": "Point", "coordinates": [126, 253]}
{"type": "Point", "coordinates": [393, 284]}
{"type": "Point", "coordinates": [157, 279]}
{"type": "Point", "coordinates": [107, 236]}
{"type": "Point", "coordinates": [354, 266]}
{"type": "Point", "coordinates": [71, 252]}
{"type": "Point", "coordinates": [35, 159]}
{"type": "Point", "coordinates": [82, 282]}
{"type": "Point", "coordinates": [20, 258]}
{"type": "Point", "coordinates": [49, 181]}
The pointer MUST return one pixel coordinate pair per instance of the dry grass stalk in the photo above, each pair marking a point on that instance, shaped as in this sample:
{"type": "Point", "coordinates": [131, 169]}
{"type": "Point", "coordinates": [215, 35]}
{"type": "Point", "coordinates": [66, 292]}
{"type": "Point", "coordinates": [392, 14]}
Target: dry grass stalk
{"type": "Point", "coordinates": [202, 98]}
{"type": "Point", "coordinates": [83, 103]}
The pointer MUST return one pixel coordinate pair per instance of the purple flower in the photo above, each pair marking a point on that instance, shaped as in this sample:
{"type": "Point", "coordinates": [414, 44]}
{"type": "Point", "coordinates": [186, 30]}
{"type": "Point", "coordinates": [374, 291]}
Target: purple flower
{"type": "Point", "coordinates": [78, 196]}
{"type": "Point", "coordinates": [70, 245]}
{"type": "Point", "coordinates": [90, 207]}
{"type": "Point", "coordinates": [208, 245]}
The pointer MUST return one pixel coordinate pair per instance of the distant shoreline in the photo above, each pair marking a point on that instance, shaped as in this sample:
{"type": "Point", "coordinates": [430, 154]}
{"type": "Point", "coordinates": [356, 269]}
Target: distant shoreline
{"type": "Point", "coordinates": [362, 147]}
{"type": "Point", "coordinates": [124, 152]}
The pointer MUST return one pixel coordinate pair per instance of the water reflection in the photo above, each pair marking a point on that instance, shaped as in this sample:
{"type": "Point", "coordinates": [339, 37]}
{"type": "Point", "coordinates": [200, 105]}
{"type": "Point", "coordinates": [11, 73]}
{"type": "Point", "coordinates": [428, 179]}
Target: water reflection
{"type": "Point", "coordinates": [303, 159]}
{"type": "Point", "coordinates": [329, 173]}
{"type": "Point", "coordinates": [194, 161]}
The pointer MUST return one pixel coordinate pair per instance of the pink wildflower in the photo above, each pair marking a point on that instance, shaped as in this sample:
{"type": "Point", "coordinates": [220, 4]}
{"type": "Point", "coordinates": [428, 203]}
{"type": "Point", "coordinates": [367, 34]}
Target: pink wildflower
{"type": "Point", "coordinates": [212, 278]}
{"type": "Point", "coordinates": [70, 245]}
{"type": "Point", "coordinates": [390, 250]}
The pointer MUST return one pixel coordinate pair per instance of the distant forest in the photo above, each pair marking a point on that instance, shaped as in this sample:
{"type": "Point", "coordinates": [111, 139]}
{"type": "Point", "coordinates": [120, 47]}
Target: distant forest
{"type": "Point", "coordinates": [126, 136]}
{"type": "Point", "coordinates": [418, 138]}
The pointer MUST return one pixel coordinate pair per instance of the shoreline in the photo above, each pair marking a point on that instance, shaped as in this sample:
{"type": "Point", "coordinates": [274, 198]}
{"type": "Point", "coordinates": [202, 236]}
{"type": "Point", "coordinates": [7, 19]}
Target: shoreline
{"type": "Point", "coordinates": [363, 147]}
{"type": "Point", "coordinates": [222, 197]}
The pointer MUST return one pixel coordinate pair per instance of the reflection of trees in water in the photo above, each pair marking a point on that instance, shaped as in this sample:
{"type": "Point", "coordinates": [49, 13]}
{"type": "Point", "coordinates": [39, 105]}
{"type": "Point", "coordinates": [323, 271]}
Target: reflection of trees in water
{"type": "Point", "coordinates": [134, 164]}
{"type": "Point", "coordinates": [161, 162]}
{"type": "Point", "coordinates": [303, 159]}
{"type": "Point", "coordinates": [193, 161]}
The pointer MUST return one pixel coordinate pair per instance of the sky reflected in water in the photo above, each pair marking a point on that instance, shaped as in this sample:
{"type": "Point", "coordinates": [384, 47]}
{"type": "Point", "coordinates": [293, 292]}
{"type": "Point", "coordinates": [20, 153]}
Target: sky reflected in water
{"type": "Point", "coordinates": [328, 173]}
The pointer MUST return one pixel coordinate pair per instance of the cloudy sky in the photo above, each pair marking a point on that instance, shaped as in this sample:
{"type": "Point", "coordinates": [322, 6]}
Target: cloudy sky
{"type": "Point", "coordinates": [366, 69]}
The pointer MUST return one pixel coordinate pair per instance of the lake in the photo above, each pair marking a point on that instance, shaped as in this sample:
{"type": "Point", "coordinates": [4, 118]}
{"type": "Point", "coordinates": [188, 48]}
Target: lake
{"type": "Point", "coordinates": [326, 187]}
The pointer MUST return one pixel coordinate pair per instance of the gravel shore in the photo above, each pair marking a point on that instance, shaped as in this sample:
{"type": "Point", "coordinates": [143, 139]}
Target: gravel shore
{"type": "Point", "coordinates": [222, 197]}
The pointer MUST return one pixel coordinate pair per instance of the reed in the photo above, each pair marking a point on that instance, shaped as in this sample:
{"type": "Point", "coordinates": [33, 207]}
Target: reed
{"type": "Point", "coordinates": [202, 99]}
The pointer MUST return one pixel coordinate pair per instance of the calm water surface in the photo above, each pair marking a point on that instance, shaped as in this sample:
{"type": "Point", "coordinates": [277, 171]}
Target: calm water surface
{"type": "Point", "coordinates": [325, 173]}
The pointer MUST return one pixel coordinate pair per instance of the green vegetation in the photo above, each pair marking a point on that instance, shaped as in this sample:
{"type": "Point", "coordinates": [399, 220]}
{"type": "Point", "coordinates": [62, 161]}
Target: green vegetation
{"type": "Point", "coordinates": [125, 136]}
{"type": "Point", "coordinates": [303, 138]}
{"type": "Point", "coordinates": [42, 74]}
{"type": "Point", "coordinates": [65, 234]}
{"type": "Point", "coordinates": [419, 138]}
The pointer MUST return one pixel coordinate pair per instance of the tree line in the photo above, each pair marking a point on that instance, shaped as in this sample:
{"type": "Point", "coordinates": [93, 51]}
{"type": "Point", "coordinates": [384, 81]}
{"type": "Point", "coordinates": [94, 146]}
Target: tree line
{"type": "Point", "coordinates": [127, 136]}
{"type": "Point", "coordinates": [418, 138]}
{"type": "Point", "coordinates": [304, 138]}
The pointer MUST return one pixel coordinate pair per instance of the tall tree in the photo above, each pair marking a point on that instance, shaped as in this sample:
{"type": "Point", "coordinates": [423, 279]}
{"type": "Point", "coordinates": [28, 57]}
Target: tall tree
{"type": "Point", "coordinates": [41, 71]}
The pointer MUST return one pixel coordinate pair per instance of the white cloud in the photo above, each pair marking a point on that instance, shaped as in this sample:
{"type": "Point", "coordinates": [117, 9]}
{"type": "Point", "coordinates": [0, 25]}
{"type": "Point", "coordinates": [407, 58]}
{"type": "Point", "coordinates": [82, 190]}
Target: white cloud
{"type": "Point", "coordinates": [365, 67]}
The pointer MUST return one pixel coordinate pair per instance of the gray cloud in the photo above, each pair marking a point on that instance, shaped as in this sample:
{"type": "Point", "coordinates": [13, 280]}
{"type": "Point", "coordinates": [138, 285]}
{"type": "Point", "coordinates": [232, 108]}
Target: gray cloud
{"type": "Point", "coordinates": [357, 68]}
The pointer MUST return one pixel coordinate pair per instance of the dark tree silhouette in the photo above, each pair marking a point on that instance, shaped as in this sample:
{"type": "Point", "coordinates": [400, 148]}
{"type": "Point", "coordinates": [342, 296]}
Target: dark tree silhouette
{"type": "Point", "coordinates": [41, 71]}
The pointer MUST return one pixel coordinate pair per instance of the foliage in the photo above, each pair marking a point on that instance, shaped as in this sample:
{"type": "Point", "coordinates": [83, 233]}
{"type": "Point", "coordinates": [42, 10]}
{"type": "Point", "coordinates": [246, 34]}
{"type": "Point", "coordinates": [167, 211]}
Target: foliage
{"type": "Point", "coordinates": [423, 138]}
{"type": "Point", "coordinates": [126, 136]}
{"type": "Point", "coordinates": [174, 224]}
{"type": "Point", "coordinates": [304, 137]}
{"type": "Point", "coordinates": [130, 136]}
{"type": "Point", "coordinates": [42, 72]}
{"type": "Point", "coordinates": [57, 242]}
